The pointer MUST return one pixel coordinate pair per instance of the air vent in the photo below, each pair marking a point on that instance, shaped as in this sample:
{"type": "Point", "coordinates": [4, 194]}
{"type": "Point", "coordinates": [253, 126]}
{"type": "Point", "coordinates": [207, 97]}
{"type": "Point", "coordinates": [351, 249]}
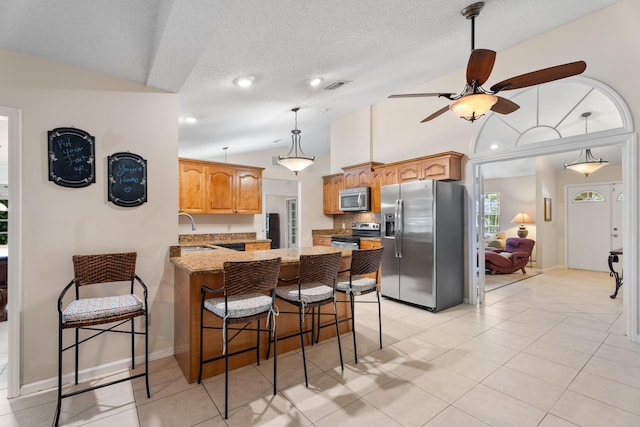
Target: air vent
{"type": "Point", "coordinates": [337, 85]}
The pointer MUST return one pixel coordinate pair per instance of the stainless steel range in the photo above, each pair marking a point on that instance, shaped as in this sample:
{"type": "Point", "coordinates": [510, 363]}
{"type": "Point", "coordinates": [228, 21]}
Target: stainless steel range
{"type": "Point", "coordinates": [358, 230]}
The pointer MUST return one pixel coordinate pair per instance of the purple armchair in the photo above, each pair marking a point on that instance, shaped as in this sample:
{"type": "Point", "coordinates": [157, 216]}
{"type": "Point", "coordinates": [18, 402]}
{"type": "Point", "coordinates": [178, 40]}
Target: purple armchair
{"type": "Point", "coordinates": [514, 256]}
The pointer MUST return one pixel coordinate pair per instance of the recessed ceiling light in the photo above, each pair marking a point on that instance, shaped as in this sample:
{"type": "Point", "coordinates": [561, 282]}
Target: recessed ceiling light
{"type": "Point", "coordinates": [244, 81]}
{"type": "Point", "coordinates": [315, 81]}
{"type": "Point", "coordinates": [190, 120]}
{"type": "Point", "coordinates": [494, 146]}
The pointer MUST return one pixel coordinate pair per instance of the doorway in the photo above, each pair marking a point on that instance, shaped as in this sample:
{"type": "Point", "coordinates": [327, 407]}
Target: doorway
{"type": "Point", "coordinates": [12, 143]}
{"type": "Point", "coordinates": [527, 134]}
{"type": "Point", "coordinates": [593, 224]}
{"type": "Point", "coordinates": [280, 201]}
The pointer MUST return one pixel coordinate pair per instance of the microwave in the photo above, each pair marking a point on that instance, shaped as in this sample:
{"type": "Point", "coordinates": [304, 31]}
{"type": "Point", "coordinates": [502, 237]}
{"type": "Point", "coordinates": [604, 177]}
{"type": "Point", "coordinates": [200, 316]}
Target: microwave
{"type": "Point", "coordinates": [355, 199]}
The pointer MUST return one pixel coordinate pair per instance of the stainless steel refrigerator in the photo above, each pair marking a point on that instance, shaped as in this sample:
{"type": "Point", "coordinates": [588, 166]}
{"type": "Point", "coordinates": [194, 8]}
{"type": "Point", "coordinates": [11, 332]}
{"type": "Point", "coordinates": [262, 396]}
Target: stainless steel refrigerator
{"type": "Point", "coordinates": [422, 233]}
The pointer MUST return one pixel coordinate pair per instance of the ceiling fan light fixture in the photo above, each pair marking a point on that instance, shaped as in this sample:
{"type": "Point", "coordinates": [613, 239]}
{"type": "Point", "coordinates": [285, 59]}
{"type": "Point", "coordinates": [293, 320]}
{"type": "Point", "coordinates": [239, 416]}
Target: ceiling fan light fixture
{"type": "Point", "coordinates": [296, 160]}
{"type": "Point", "coordinates": [470, 107]}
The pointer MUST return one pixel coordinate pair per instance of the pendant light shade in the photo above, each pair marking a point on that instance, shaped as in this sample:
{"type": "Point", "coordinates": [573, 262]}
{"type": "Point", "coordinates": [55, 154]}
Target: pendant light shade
{"type": "Point", "coordinates": [590, 164]}
{"type": "Point", "coordinates": [296, 160]}
{"type": "Point", "coordinates": [470, 107]}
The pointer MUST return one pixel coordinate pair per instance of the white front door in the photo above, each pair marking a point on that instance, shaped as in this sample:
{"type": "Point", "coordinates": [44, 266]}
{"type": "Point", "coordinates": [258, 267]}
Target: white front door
{"type": "Point", "coordinates": [593, 213]}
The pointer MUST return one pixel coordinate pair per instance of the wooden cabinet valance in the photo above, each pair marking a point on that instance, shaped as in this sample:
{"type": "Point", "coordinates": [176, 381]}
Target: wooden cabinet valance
{"type": "Point", "coordinates": [219, 188]}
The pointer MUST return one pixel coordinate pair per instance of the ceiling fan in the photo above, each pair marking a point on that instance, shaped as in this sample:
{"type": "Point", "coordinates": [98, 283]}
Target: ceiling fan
{"type": "Point", "coordinates": [474, 101]}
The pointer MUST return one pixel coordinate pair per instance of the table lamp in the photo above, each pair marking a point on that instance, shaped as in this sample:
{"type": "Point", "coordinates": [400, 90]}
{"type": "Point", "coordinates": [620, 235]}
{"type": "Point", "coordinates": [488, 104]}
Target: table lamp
{"type": "Point", "coordinates": [522, 218]}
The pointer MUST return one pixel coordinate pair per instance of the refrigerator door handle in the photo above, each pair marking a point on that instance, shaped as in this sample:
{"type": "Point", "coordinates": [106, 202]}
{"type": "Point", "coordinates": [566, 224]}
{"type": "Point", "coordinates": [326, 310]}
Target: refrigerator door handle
{"type": "Point", "coordinates": [398, 229]}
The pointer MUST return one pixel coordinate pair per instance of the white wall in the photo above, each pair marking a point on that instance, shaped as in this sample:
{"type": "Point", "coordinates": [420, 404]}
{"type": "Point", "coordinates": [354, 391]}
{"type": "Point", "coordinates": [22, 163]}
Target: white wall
{"type": "Point", "coordinates": [60, 222]}
{"type": "Point", "coordinates": [547, 231]}
{"type": "Point", "coordinates": [351, 140]}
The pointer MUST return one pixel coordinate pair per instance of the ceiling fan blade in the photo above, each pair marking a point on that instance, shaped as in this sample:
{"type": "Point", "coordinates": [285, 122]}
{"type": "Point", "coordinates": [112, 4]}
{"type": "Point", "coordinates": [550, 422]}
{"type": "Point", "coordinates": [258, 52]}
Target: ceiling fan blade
{"type": "Point", "coordinates": [420, 95]}
{"type": "Point", "coordinates": [504, 106]}
{"type": "Point", "coordinates": [480, 65]}
{"type": "Point", "coordinates": [436, 114]}
{"type": "Point", "coordinates": [541, 76]}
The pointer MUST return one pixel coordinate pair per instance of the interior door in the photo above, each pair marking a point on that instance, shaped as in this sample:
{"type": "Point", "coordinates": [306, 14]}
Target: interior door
{"type": "Point", "coordinates": [592, 215]}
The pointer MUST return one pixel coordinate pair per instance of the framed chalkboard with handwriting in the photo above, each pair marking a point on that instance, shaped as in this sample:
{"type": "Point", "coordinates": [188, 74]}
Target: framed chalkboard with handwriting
{"type": "Point", "coordinates": [127, 179]}
{"type": "Point", "coordinates": [71, 157]}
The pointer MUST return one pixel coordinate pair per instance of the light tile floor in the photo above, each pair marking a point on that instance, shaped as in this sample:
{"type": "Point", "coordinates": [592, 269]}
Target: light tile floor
{"type": "Point", "coordinates": [546, 351]}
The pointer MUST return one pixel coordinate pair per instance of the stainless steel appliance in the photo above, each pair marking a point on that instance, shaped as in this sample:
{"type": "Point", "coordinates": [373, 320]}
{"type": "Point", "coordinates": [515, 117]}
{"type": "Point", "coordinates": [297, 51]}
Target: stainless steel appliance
{"type": "Point", "coordinates": [422, 231]}
{"type": "Point", "coordinates": [355, 199]}
{"type": "Point", "coordinates": [358, 230]}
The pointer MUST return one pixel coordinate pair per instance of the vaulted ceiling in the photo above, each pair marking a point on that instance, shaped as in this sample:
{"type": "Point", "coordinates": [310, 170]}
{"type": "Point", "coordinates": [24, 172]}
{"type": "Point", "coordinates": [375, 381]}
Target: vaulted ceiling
{"type": "Point", "coordinates": [198, 47]}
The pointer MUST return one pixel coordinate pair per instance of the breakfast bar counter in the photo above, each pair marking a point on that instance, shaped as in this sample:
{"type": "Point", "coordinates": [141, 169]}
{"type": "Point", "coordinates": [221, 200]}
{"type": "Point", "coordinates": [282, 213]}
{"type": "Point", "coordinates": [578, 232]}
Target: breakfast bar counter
{"type": "Point", "coordinates": [195, 268]}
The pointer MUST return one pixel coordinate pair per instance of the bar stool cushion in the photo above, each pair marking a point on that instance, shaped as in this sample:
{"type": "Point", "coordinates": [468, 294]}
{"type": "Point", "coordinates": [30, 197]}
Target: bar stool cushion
{"type": "Point", "coordinates": [310, 292]}
{"type": "Point", "coordinates": [99, 308]}
{"type": "Point", "coordinates": [358, 285]}
{"type": "Point", "coordinates": [239, 305]}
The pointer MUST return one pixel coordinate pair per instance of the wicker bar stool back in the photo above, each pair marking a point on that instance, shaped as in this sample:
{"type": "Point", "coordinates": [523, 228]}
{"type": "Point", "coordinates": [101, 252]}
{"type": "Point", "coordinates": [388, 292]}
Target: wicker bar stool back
{"type": "Point", "coordinates": [315, 287]}
{"type": "Point", "coordinates": [247, 296]}
{"type": "Point", "coordinates": [116, 310]}
{"type": "Point", "coordinates": [363, 262]}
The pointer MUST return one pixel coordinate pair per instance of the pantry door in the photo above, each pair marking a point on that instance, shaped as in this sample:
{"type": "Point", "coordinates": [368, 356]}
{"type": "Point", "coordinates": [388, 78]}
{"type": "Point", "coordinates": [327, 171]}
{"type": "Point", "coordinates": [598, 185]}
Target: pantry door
{"type": "Point", "coordinates": [593, 224]}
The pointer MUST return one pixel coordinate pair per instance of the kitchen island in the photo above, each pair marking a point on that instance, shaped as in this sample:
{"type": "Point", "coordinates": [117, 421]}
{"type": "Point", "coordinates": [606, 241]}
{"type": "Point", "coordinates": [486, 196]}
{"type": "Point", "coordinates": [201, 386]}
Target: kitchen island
{"type": "Point", "coordinates": [192, 269]}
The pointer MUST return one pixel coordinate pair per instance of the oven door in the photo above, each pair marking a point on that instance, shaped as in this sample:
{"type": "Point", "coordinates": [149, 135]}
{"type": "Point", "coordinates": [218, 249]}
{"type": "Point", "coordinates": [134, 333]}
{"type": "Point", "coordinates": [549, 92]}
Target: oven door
{"type": "Point", "coordinates": [344, 245]}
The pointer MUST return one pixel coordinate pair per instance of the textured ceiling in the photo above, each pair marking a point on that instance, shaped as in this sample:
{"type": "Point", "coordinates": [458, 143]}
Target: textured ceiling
{"type": "Point", "coordinates": [198, 47]}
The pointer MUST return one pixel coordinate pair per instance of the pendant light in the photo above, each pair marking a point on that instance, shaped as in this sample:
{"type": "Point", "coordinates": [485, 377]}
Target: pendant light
{"type": "Point", "coordinates": [296, 160]}
{"type": "Point", "coordinates": [590, 164]}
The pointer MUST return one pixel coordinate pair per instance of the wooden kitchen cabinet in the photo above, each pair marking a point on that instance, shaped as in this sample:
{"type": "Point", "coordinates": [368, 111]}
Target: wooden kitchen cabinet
{"type": "Point", "coordinates": [191, 185]}
{"type": "Point", "coordinates": [359, 175]}
{"type": "Point", "coordinates": [332, 184]}
{"type": "Point", "coordinates": [321, 240]}
{"type": "Point", "coordinates": [257, 246]}
{"type": "Point", "coordinates": [219, 188]}
{"type": "Point", "coordinates": [377, 181]}
{"type": "Point", "coordinates": [370, 244]}
{"type": "Point", "coordinates": [409, 171]}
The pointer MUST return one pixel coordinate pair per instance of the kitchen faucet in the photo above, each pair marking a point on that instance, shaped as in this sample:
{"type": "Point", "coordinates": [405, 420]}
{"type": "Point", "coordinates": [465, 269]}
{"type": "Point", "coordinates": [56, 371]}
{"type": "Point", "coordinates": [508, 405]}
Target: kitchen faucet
{"type": "Point", "coordinates": [193, 224]}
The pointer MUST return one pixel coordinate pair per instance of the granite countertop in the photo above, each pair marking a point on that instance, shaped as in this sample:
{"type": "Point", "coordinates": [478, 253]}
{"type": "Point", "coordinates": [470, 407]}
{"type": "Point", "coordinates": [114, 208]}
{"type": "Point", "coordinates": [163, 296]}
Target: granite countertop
{"type": "Point", "coordinates": [375, 239]}
{"type": "Point", "coordinates": [331, 232]}
{"type": "Point", "coordinates": [211, 261]}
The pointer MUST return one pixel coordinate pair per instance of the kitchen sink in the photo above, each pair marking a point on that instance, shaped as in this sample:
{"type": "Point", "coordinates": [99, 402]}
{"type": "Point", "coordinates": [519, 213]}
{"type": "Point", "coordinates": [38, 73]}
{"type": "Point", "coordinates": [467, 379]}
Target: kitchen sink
{"type": "Point", "coordinates": [196, 248]}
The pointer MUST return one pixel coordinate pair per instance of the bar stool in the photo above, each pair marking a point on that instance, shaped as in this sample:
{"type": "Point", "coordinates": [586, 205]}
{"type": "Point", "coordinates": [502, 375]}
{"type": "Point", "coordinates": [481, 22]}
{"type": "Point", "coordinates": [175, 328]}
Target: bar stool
{"type": "Point", "coordinates": [363, 262]}
{"type": "Point", "coordinates": [314, 288]}
{"type": "Point", "coordinates": [86, 313]}
{"type": "Point", "coordinates": [244, 301]}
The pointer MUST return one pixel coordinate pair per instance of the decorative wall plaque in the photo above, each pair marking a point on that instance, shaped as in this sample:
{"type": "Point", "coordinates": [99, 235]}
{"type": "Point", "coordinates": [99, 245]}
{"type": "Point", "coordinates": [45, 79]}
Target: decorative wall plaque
{"type": "Point", "coordinates": [127, 179]}
{"type": "Point", "coordinates": [71, 157]}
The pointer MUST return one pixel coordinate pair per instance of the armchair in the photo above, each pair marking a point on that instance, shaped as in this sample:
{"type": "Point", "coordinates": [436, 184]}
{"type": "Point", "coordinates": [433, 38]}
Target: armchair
{"type": "Point", "coordinates": [513, 257]}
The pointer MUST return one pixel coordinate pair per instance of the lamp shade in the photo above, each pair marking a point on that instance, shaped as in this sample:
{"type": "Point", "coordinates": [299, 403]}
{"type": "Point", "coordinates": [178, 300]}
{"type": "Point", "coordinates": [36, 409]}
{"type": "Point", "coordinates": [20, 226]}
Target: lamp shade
{"type": "Point", "coordinates": [589, 165]}
{"type": "Point", "coordinates": [296, 160]}
{"type": "Point", "coordinates": [470, 107]}
{"type": "Point", "coordinates": [522, 218]}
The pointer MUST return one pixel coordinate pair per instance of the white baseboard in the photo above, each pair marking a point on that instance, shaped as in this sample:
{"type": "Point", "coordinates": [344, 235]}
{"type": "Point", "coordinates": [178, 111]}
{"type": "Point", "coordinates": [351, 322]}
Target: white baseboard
{"type": "Point", "coordinates": [95, 372]}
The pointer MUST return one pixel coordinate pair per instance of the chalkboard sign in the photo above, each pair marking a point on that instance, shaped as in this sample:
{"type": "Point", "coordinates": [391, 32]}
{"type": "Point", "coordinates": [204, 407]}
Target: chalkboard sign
{"type": "Point", "coordinates": [127, 179]}
{"type": "Point", "coordinates": [71, 157]}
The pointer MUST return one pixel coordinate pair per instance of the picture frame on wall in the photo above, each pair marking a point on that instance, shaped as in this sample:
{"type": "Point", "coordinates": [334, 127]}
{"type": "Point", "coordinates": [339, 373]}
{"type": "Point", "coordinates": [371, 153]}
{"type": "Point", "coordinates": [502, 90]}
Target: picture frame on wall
{"type": "Point", "coordinates": [547, 209]}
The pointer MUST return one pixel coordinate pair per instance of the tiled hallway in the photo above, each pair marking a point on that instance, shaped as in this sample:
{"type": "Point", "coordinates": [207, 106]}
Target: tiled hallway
{"type": "Point", "coordinates": [545, 351]}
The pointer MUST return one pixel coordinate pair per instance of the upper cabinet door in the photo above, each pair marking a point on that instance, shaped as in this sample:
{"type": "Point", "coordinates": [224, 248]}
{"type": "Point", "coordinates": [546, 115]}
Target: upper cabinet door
{"type": "Point", "coordinates": [191, 185]}
{"type": "Point", "coordinates": [248, 192]}
{"type": "Point", "coordinates": [220, 185]}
